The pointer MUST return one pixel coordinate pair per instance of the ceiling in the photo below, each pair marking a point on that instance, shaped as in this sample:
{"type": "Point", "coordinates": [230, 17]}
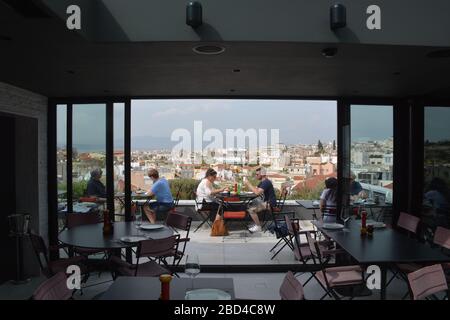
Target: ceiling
{"type": "Point", "coordinates": [41, 55]}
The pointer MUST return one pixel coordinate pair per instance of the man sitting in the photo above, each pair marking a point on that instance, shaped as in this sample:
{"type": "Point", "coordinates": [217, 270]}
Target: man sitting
{"type": "Point", "coordinates": [95, 188]}
{"type": "Point", "coordinates": [161, 190]}
{"type": "Point", "coordinates": [264, 188]}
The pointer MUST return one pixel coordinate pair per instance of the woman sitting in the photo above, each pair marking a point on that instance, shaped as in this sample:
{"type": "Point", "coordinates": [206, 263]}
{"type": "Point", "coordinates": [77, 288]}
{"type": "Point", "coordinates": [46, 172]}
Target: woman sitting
{"type": "Point", "coordinates": [206, 191]}
{"type": "Point", "coordinates": [328, 200]}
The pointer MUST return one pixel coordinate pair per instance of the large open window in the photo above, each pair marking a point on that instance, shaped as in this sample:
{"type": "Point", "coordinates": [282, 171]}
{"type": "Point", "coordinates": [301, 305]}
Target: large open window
{"type": "Point", "coordinates": [372, 153]}
{"type": "Point", "coordinates": [436, 205]}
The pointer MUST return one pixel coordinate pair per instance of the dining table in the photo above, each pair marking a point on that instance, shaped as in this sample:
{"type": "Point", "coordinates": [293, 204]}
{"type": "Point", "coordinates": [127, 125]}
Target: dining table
{"type": "Point", "coordinates": [91, 235]}
{"type": "Point", "coordinates": [149, 288]}
{"type": "Point", "coordinates": [384, 249]}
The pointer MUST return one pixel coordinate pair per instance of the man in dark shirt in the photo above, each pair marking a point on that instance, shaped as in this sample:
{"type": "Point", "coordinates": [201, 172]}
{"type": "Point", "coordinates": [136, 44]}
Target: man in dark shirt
{"type": "Point", "coordinates": [264, 188]}
{"type": "Point", "coordinates": [95, 187]}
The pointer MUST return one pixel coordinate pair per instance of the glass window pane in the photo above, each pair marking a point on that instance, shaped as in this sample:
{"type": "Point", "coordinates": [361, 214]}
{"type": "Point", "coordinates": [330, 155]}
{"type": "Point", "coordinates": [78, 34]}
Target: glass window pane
{"type": "Point", "coordinates": [436, 209]}
{"type": "Point", "coordinates": [61, 158]}
{"type": "Point", "coordinates": [119, 175]}
{"type": "Point", "coordinates": [89, 148]}
{"type": "Point", "coordinates": [372, 155]}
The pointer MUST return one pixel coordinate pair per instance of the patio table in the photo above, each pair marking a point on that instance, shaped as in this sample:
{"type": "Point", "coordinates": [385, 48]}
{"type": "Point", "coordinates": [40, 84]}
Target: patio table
{"type": "Point", "coordinates": [91, 236]}
{"type": "Point", "coordinates": [385, 248]}
{"type": "Point", "coordinates": [149, 288]}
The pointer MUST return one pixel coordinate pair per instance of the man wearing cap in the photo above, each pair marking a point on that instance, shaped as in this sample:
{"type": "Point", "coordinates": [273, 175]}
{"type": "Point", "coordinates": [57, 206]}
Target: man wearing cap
{"type": "Point", "coordinates": [264, 189]}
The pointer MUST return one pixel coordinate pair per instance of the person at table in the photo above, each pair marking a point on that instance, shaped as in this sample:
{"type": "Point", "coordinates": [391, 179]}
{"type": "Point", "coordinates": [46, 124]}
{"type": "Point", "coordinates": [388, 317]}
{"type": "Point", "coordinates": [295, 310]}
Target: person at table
{"type": "Point", "coordinates": [436, 203]}
{"type": "Point", "coordinates": [95, 188]}
{"type": "Point", "coordinates": [356, 189]}
{"type": "Point", "coordinates": [206, 192]}
{"type": "Point", "coordinates": [267, 198]}
{"type": "Point", "coordinates": [328, 200]}
{"type": "Point", "coordinates": [161, 191]}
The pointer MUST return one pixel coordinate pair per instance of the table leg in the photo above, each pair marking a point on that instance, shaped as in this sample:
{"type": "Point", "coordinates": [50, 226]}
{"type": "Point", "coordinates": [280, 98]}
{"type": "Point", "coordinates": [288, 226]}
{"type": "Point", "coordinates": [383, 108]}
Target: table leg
{"type": "Point", "coordinates": [383, 282]}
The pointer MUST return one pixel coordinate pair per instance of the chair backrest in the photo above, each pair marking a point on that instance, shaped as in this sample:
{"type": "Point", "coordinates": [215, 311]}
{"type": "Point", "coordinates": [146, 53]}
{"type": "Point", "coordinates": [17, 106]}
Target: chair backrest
{"type": "Point", "coordinates": [54, 288]}
{"type": "Point", "coordinates": [292, 227]}
{"type": "Point", "coordinates": [177, 196]}
{"type": "Point", "coordinates": [40, 249]}
{"type": "Point", "coordinates": [283, 195]}
{"type": "Point", "coordinates": [158, 247]}
{"type": "Point", "coordinates": [427, 281]}
{"type": "Point", "coordinates": [291, 288]}
{"type": "Point", "coordinates": [79, 219]}
{"type": "Point", "coordinates": [315, 250]}
{"type": "Point", "coordinates": [178, 221]}
{"type": "Point", "coordinates": [442, 237]}
{"type": "Point", "coordinates": [408, 222]}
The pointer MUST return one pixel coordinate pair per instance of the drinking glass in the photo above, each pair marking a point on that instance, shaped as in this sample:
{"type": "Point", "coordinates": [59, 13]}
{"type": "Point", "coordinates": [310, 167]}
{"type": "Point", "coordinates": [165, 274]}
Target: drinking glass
{"type": "Point", "coordinates": [192, 267]}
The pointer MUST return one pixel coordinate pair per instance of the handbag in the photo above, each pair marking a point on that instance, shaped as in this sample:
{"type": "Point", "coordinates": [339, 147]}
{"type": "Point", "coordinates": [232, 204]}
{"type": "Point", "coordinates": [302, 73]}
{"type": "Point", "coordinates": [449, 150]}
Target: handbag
{"type": "Point", "coordinates": [219, 228]}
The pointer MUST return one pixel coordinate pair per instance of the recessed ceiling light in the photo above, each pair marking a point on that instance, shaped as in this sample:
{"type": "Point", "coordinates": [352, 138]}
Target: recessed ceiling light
{"type": "Point", "coordinates": [445, 53]}
{"type": "Point", "coordinates": [208, 49]}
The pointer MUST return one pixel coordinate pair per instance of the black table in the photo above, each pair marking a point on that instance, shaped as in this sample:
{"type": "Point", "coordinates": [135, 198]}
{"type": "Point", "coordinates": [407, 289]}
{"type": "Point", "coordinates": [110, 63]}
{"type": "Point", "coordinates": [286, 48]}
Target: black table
{"type": "Point", "coordinates": [91, 236]}
{"type": "Point", "coordinates": [385, 248]}
{"type": "Point", "coordinates": [149, 288]}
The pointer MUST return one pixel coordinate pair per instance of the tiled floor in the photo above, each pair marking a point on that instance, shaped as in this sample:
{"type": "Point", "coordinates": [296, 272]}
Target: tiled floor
{"type": "Point", "coordinates": [239, 248]}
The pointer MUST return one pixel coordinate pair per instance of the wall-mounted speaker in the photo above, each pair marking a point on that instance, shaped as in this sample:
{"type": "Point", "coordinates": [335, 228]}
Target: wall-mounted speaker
{"type": "Point", "coordinates": [194, 14]}
{"type": "Point", "coordinates": [338, 16]}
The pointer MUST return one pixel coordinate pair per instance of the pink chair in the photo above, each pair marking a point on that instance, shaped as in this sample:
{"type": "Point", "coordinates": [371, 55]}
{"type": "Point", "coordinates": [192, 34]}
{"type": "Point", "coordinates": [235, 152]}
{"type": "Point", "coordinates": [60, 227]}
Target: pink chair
{"type": "Point", "coordinates": [408, 222]}
{"type": "Point", "coordinates": [442, 239]}
{"type": "Point", "coordinates": [331, 279]}
{"type": "Point", "coordinates": [291, 288]}
{"type": "Point", "coordinates": [427, 281]}
{"type": "Point", "coordinates": [54, 288]}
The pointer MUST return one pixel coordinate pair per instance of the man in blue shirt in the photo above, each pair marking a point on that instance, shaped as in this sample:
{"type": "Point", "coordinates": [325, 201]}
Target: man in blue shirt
{"type": "Point", "coordinates": [264, 188]}
{"type": "Point", "coordinates": [161, 190]}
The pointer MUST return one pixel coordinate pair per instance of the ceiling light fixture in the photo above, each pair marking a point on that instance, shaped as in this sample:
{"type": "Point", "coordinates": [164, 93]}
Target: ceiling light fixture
{"type": "Point", "coordinates": [208, 49]}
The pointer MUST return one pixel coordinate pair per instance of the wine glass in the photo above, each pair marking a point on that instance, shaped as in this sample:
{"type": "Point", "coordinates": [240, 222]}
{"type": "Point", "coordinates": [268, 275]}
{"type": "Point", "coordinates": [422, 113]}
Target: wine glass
{"type": "Point", "coordinates": [138, 220]}
{"type": "Point", "coordinates": [192, 267]}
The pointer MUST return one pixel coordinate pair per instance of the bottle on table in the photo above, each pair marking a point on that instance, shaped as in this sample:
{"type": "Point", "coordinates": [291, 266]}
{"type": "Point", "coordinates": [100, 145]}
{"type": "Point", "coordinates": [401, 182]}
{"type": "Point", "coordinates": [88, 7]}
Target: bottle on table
{"type": "Point", "coordinates": [165, 286]}
{"type": "Point", "coordinates": [363, 223]}
{"type": "Point", "coordinates": [107, 225]}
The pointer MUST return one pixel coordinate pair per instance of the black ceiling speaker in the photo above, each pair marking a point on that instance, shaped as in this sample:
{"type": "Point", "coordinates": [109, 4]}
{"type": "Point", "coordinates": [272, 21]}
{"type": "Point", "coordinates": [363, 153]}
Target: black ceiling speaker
{"type": "Point", "coordinates": [194, 14]}
{"type": "Point", "coordinates": [338, 16]}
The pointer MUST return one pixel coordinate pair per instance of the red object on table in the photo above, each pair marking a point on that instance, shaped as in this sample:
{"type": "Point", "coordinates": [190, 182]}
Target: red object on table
{"type": "Point", "coordinates": [165, 286]}
{"type": "Point", "coordinates": [235, 188]}
{"type": "Point", "coordinates": [363, 219]}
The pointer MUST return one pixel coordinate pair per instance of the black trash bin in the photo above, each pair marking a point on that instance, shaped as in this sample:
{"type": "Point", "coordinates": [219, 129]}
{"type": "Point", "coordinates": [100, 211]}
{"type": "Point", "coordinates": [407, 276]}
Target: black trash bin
{"type": "Point", "coordinates": [19, 225]}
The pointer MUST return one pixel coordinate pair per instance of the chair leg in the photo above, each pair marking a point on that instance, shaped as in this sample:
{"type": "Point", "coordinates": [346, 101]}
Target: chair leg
{"type": "Point", "coordinates": [278, 251]}
{"type": "Point", "coordinates": [276, 245]}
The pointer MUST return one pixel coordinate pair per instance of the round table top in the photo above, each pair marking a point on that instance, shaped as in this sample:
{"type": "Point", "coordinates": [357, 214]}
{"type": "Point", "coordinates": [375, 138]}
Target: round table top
{"type": "Point", "coordinates": [91, 236]}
